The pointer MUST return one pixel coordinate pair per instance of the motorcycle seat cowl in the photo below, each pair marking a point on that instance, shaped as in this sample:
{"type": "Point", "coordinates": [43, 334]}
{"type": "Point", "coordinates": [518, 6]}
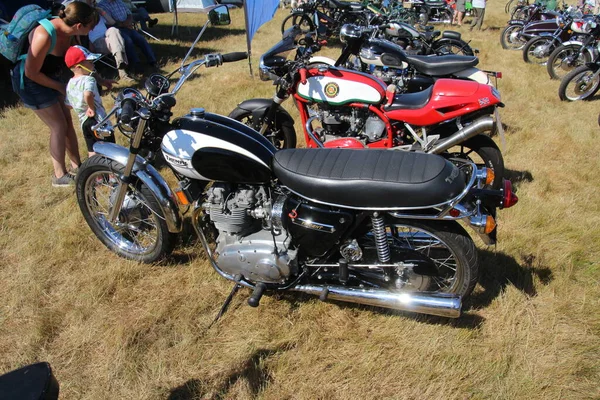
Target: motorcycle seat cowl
{"type": "Point", "coordinates": [442, 65]}
{"type": "Point", "coordinates": [371, 178]}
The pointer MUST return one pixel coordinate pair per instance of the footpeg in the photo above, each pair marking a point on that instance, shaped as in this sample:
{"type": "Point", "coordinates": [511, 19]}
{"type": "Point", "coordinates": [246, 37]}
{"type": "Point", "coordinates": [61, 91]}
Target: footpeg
{"type": "Point", "coordinates": [258, 292]}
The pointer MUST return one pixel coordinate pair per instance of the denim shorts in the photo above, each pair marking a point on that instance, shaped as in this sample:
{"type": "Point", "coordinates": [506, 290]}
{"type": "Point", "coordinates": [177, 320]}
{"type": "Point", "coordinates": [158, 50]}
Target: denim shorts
{"type": "Point", "coordinates": [33, 95]}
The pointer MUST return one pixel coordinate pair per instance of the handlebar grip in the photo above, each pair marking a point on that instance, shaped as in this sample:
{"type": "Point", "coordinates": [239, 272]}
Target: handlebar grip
{"type": "Point", "coordinates": [235, 56]}
{"type": "Point", "coordinates": [127, 111]}
{"type": "Point", "coordinates": [303, 75]}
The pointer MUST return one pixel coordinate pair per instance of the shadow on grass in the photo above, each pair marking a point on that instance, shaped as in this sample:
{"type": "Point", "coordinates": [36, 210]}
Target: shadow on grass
{"type": "Point", "coordinates": [498, 270]}
{"type": "Point", "coordinates": [253, 371]}
{"type": "Point", "coordinates": [518, 177]}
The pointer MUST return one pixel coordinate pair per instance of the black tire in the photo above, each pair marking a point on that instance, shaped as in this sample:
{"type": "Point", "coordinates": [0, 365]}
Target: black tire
{"type": "Point", "coordinates": [520, 13]}
{"type": "Point", "coordinates": [537, 50]}
{"type": "Point", "coordinates": [562, 61]}
{"type": "Point", "coordinates": [452, 46]}
{"type": "Point", "coordinates": [282, 135]}
{"type": "Point", "coordinates": [484, 152]}
{"type": "Point", "coordinates": [507, 6]}
{"type": "Point", "coordinates": [581, 83]}
{"type": "Point", "coordinates": [447, 245]}
{"type": "Point", "coordinates": [508, 38]}
{"type": "Point", "coordinates": [141, 232]}
{"type": "Point", "coordinates": [304, 21]}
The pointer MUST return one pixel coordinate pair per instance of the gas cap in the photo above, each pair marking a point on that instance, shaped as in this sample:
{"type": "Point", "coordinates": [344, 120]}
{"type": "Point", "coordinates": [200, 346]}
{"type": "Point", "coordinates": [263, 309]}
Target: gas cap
{"type": "Point", "coordinates": [197, 112]}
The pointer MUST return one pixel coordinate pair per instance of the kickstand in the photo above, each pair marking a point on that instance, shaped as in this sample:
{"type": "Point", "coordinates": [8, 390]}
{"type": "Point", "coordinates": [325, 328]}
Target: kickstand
{"type": "Point", "coordinates": [225, 305]}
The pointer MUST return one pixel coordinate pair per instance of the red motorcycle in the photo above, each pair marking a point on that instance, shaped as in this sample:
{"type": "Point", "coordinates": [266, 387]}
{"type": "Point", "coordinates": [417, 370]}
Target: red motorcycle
{"type": "Point", "coordinates": [345, 108]}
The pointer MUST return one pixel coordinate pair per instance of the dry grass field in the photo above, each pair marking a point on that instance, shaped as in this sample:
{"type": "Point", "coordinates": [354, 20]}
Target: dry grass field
{"type": "Point", "coordinates": [114, 329]}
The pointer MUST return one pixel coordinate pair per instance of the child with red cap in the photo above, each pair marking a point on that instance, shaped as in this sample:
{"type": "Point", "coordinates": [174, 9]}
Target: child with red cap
{"type": "Point", "coordinates": [83, 95]}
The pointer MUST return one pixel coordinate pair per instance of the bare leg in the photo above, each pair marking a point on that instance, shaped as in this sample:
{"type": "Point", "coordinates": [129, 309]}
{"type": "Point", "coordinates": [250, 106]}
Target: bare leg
{"type": "Point", "coordinates": [54, 118]}
{"type": "Point", "coordinates": [72, 145]}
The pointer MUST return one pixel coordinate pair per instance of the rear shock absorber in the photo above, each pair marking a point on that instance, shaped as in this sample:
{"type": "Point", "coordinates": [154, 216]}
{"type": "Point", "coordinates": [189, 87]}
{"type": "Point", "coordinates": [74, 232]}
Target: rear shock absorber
{"type": "Point", "coordinates": [381, 241]}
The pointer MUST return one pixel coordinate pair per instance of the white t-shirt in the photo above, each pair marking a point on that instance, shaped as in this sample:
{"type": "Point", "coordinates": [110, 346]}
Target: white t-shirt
{"type": "Point", "coordinates": [478, 3]}
{"type": "Point", "coordinates": [75, 90]}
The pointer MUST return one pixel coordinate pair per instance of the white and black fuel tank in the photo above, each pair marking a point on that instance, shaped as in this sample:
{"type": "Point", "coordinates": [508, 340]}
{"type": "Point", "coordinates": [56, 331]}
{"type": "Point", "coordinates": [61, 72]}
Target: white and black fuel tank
{"type": "Point", "coordinates": [212, 147]}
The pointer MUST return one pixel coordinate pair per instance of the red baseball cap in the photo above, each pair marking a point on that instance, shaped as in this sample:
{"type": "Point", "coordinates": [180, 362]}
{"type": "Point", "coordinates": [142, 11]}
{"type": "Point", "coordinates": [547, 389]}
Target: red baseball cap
{"type": "Point", "coordinates": [77, 54]}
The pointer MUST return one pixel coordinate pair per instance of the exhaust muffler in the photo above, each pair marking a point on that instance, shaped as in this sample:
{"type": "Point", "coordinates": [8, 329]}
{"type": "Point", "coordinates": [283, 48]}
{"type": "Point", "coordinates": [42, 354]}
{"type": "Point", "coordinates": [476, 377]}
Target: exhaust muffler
{"type": "Point", "coordinates": [441, 304]}
{"type": "Point", "coordinates": [478, 126]}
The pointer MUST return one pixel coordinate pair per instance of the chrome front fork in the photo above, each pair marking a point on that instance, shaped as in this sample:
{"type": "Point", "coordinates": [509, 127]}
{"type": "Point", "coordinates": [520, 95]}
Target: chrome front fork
{"type": "Point", "coordinates": [125, 179]}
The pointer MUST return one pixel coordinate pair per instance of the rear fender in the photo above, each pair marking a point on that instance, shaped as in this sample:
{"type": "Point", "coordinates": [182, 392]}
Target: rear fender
{"type": "Point", "coordinates": [259, 107]}
{"type": "Point", "coordinates": [150, 177]}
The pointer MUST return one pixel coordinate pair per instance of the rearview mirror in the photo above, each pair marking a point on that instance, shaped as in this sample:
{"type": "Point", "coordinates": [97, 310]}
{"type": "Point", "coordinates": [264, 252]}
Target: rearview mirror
{"type": "Point", "coordinates": [219, 16]}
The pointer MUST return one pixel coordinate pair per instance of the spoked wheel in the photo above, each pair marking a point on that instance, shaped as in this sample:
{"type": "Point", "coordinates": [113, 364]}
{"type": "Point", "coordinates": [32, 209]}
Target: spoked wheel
{"type": "Point", "coordinates": [304, 21]}
{"type": "Point", "coordinates": [484, 152]}
{"type": "Point", "coordinates": [281, 133]}
{"type": "Point", "coordinates": [580, 84]}
{"type": "Point", "coordinates": [538, 50]}
{"type": "Point", "coordinates": [140, 231]}
{"type": "Point", "coordinates": [436, 256]}
{"type": "Point", "coordinates": [510, 38]}
{"type": "Point", "coordinates": [564, 59]}
{"type": "Point", "coordinates": [451, 46]}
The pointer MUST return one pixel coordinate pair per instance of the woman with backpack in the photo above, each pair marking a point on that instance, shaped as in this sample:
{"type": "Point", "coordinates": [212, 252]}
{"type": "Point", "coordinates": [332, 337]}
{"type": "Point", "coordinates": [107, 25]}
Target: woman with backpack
{"type": "Point", "coordinates": [37, 81]}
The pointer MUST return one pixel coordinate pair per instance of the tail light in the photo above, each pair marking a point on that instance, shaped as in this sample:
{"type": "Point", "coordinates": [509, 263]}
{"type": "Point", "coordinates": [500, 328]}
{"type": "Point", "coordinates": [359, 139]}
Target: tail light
{"type": "Point", "coordinates": [509, 199]}
{"type": "Point", "coordinates": [499, 75]}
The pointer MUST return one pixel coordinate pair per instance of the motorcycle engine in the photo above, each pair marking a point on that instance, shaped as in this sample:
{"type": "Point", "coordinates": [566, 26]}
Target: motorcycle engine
{"type": "Point", "coordinates": [350, 122]}
{"type": "Point", "coordinates": [246, 243]}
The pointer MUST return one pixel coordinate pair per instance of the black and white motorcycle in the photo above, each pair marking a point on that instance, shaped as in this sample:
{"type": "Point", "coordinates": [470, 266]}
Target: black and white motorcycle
{"type": "Point", "coordinates": [364, 226]}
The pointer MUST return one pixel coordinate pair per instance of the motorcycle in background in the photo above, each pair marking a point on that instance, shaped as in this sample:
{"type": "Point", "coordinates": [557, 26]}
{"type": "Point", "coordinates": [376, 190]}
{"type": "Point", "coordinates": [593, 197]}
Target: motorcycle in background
{"type": "Point", "coordinates": [581, 83]}
{"type": "Point", "coordinates": [574, 53]}
{"type": "Point", "coordinates": [357, 110]}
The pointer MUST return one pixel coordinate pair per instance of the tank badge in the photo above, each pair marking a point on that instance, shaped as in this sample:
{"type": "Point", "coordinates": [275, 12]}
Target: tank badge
{"type": "Point", "coordinates": [332, 89]}
{"type": "Point", "coordinates": [484, 101]}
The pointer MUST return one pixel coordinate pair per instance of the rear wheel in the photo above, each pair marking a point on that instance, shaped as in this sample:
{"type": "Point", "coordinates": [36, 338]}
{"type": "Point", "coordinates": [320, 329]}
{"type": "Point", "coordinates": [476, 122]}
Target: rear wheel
{"type": "Point", "coordinates": [140, 232]}
{"type": "Point", "coordinates": [452, 46]}
{"type": "Point", "coordinates": [564, 59]}
{"type": "Point", "coordinates": [510, 38]}
{"type": "Point", "coordinates": [441, 256]}
{"type": "Point", "coordinates": [484, 152]}
{"type": "Point", "coordinates": [537, 50]}
{"type": "Point", "coordinates": [281, 134]}
{"type": "Point", "coordinates": [580, 84]}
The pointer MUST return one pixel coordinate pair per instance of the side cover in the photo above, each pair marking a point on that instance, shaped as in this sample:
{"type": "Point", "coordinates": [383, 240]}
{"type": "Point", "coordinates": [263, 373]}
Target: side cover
{"type": "Point", "coordinates": [212, 147]}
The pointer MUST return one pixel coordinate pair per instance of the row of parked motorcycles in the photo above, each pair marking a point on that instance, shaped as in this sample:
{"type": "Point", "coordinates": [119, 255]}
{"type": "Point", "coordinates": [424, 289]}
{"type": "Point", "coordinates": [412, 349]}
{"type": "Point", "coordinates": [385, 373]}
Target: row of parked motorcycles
{"type": "Point", "coordinates": [398, 152]}
{"type": "Point", "coordinates": [566, 41]}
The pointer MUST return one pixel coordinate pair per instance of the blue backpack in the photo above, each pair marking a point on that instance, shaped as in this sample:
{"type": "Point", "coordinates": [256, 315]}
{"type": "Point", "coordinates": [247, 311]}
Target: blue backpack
{"type": "Point", "coordinates": [14, 36]}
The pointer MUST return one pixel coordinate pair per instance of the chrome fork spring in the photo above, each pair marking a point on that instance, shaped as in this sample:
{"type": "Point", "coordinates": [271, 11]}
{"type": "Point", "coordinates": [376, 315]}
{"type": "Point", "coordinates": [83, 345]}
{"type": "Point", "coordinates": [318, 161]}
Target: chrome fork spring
{"type": "Point", "coordinates": [381, 241]}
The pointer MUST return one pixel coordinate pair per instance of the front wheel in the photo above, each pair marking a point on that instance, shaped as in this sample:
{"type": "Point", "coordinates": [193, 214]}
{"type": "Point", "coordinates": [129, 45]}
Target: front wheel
{"type": "Point", "coordinates": [538, 50]}
{"type": "Point", "coordinates": [484, 152]}
{"type": "Point", "coordinates": [140, 232]}
{"type": "Point", "coordinates": [510, 38]}
{"type": "Point", "coordinates": [445, 16]}
{"type": "Point", "coordinates": [564, 59]}
{"type": "Point", "coordinates": [280, 133]}
{"type": "Point", "coordinates": [580, 84]}
{"type": "Point", "coordinates": [304, 21]}
{"type": "Point", "coordinates": [451, 46]}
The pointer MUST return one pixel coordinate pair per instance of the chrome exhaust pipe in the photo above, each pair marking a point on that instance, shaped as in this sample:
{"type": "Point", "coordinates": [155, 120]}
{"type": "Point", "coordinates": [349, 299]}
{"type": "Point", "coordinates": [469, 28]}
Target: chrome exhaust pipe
{"type": "Point", "coordinates": [478, 126]}
{"type": "Point", "coordinates": [441, 304]}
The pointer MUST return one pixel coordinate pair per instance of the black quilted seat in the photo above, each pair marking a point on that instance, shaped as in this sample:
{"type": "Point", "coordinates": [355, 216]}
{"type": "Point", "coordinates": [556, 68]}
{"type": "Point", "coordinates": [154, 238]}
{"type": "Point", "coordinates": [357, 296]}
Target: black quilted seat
{"type": "Point", "coordinates": [410, 101]}
{"type": "Point", "coordinates": [368, 178]}
{"type": "Point", "coordinates": [442, 65]}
